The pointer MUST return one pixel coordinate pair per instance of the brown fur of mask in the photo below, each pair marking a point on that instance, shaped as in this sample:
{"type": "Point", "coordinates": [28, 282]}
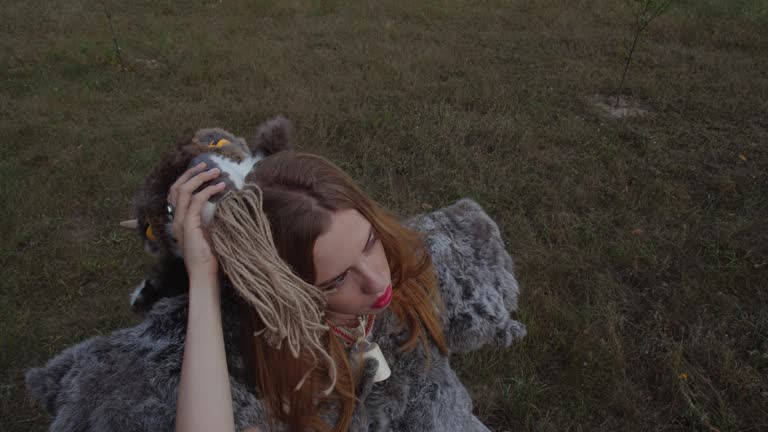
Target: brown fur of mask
{"type": "Point", "coordinates": [154, 223]}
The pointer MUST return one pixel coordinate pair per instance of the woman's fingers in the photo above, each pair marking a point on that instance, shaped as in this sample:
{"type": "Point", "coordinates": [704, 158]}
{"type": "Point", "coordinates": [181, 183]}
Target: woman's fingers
{"type": "Point", "coordinates": [173, 193]}
{"type": "Point", "coordinates": [185, 195]}
{"type": "Point", "coordinates": [192, 217]}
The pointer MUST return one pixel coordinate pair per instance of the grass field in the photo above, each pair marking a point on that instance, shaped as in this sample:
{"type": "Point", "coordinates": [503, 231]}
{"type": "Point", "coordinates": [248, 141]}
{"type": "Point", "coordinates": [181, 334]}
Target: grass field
{"type": "Point", "coordinates": [641, 244]}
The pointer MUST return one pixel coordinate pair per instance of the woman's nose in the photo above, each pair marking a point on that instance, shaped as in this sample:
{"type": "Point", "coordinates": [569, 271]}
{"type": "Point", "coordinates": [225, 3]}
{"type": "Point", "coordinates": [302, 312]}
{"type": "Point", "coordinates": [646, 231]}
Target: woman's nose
{"type": "Point", "coordinates": [373, 282]}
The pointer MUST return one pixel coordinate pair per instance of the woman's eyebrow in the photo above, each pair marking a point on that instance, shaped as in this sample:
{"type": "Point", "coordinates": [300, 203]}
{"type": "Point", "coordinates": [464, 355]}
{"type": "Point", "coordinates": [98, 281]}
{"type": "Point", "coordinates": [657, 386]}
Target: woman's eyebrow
{"type": "Point", "coordinates": [367, 239]}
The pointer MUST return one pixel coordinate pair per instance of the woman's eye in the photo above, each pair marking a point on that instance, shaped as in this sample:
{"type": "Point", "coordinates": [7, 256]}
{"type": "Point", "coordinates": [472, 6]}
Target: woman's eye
{"type": "Point", "coordinates": [373, 240]}
{"type": "Point", "coordinates": [339, 281]}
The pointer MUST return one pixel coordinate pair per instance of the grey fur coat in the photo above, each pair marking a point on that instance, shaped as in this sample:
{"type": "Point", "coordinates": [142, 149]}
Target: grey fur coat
{"type": "Point", "coordinates": [128, 381]}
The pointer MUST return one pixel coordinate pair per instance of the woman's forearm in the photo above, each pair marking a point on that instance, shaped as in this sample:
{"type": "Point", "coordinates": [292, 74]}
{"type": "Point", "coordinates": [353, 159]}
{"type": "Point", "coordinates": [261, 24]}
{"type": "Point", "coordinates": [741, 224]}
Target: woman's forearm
{"type": "Point", "coordinates": [205, 401]}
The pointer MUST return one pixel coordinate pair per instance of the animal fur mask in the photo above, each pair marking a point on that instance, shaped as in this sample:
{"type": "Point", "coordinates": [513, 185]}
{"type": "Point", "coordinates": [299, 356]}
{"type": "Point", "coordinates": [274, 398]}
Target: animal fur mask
{"type": "Point", "coordinates": [290, 309]}
{"type": "Point", "coordinates": [218, 148]}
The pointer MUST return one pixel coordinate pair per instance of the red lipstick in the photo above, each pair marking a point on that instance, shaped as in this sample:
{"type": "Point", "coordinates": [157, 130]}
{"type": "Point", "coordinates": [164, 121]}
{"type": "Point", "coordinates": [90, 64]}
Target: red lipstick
{"type": "Point", "coordinates": [385, 298]}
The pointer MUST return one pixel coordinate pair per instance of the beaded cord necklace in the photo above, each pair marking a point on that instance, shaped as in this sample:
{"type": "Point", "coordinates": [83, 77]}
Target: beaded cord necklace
{"type": "Point", "coordinates": [358, 340]}
{"type": "Point", "coordinates": [349, 335]}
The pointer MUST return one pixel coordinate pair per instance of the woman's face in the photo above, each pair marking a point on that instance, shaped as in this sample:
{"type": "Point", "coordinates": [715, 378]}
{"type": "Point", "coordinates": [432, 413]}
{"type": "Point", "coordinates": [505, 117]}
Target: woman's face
{"type": "Point", "coordinates": [350, 258]}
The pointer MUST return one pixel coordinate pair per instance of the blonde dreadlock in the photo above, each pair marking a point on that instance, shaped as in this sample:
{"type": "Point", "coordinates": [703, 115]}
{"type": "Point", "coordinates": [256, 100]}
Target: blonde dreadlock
{"type": "Point", "coordinates": [291, 309]}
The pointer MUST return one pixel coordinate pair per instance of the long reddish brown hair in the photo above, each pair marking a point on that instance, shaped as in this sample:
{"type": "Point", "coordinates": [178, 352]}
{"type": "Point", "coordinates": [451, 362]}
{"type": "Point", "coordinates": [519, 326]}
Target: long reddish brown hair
{"type": "Point", "coordinates": [300, 193]}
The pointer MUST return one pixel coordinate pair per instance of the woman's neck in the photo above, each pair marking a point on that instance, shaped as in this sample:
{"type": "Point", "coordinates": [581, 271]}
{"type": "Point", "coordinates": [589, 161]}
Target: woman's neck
{"type": "Point", "coordinates": [342, 320]}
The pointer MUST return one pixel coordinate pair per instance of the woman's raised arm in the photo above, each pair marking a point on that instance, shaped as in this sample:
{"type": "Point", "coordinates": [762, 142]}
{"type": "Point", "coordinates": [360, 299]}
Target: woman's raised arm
{"type": "Point", "coordinates": [204, 402]}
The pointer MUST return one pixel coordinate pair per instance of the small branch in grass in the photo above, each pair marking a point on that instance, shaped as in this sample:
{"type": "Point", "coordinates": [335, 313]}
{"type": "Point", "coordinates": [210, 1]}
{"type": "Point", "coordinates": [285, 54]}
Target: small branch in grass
{"type": "Point", "coordinates": [118, 51]}
{"type": "Point", "coordinates": [650, 11]}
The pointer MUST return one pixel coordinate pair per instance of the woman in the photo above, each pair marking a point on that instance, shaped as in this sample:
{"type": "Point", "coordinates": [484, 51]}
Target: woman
{"type": "Point", "coordinates": [337, 241]}
{"type": "Point", "coordinates": [286, 237]}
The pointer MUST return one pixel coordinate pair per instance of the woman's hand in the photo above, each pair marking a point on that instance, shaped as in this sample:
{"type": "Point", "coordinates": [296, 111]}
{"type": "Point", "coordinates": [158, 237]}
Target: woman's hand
{"type": "Point", "coordinates": [187, 222]}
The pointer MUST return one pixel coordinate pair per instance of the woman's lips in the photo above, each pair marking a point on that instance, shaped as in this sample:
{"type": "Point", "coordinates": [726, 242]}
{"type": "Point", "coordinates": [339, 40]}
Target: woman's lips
{"type": "Point", "coordinates": [384, 299]}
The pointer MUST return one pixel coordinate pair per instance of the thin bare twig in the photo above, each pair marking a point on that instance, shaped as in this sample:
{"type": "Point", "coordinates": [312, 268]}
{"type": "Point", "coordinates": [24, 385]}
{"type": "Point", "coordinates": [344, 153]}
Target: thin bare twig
{"type": "Point", "coordinates": [118, 51]}
{"type": "Point", "coordinates": [651, 10]}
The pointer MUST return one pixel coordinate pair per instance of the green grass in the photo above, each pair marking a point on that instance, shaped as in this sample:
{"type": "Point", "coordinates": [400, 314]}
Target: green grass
{"type": "Point", "coordinates": [641, 244]}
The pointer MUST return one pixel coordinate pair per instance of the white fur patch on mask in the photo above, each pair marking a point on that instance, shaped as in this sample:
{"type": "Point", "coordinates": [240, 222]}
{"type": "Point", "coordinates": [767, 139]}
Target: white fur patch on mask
{"type": "Point", "coordinates": [207, 213]}
{"type": "Point", "coordinates": [236, 171]}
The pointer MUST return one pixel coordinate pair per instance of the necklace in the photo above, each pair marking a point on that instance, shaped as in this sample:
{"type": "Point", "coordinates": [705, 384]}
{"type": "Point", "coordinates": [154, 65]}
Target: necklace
{"type": "Point", "coordinates": [358, 340]}
{"type": "Point", "coordinates": [352, 335]}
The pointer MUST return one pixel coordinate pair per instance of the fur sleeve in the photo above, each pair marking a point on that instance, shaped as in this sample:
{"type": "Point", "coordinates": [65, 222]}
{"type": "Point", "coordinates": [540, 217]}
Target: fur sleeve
{"type": "Point", "coordinates": [45, 384]}
{"type": "Point", "coordinates": [476, 276]}
{"type": "Point", "coordinates": [128, 381]}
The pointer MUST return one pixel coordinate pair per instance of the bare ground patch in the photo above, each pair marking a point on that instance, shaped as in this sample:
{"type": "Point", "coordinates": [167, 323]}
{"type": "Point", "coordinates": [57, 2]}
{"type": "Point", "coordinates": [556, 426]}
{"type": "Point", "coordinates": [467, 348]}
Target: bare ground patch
{"type": "Point", "coordinates": [621, 107]}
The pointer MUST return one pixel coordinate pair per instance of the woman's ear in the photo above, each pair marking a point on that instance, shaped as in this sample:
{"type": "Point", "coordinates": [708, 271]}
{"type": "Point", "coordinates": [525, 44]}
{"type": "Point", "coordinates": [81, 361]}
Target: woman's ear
{"type": "Point", "coordinates": [273, 136]}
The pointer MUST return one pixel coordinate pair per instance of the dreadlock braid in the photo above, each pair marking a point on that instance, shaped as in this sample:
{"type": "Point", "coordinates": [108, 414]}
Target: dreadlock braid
{"type": "Point", "coordinates": [291, 309]}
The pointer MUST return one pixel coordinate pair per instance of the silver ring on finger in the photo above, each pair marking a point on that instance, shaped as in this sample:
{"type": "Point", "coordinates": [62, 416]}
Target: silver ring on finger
{"type": "Point", "coordinates": [170, 209]}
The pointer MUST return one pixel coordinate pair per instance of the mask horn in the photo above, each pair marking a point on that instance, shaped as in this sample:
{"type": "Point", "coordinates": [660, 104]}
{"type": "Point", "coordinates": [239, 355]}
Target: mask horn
{"type": "Point", "coordinates": [130, 224]}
